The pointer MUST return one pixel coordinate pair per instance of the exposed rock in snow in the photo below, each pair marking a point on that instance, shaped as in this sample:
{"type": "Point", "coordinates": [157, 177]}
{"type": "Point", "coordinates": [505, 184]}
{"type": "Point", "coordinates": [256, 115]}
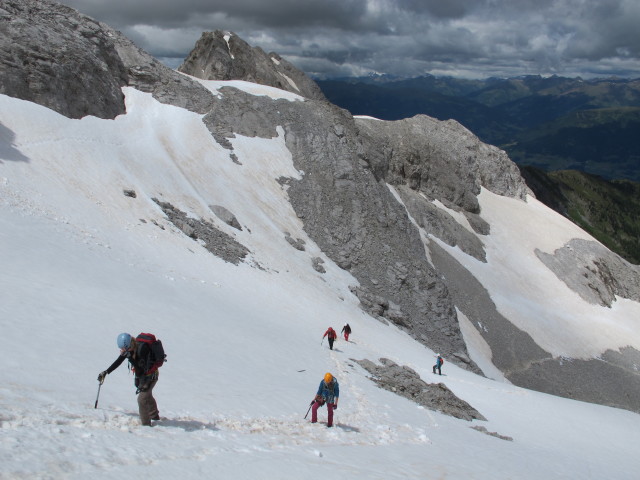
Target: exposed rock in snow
{"type": "Point", "coordinates": [226, 216]}
{"type": "Point", "coordinates": [596, 273]}
{"type": "Point", "coordinates": [215, 240]}
{"type": "Point", "coordinates": [407, 383]}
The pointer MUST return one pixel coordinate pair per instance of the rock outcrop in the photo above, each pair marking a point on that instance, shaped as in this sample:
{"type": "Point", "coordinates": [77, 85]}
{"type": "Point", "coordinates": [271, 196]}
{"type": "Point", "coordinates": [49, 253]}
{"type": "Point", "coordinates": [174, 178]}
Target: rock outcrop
{"type": "Point", "coordinates": [596, 273]}
{"type": "Point", "coordinates": [225, 56]}
{"type": "Point", "coordinates": [53, 55]}
{"type": "Point", "coordinates": [405, 381]}
{"type": "Point", "coordinates": [212, 238]}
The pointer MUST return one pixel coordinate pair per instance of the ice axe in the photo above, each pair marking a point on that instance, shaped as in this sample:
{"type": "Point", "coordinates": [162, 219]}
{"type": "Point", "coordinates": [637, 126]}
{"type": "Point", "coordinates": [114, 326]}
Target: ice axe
{"type": "Point", "coordinates": [98, 396]}
{"type": "Point", "coordinates": [309, 409]}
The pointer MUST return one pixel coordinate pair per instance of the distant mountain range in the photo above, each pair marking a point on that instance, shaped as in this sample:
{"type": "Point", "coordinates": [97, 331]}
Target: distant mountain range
{"type": "Point", "coordinates": [576, 141]}
{"type": "Point", "coordinates": [553, 123]}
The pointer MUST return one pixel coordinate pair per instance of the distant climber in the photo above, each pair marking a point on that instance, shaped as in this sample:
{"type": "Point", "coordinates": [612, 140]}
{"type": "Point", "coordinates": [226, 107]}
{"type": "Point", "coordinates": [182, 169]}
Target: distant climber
{"type": "Point", "coordinates": [328, 392]}
{"type": "Point", "coordinates": [331, 336]}
{"type": "Point", "coordinates": [346, 330]}
{"type": "Point", "coordinates": [145, 355]}
{"type": "Point", "coordinates": [438, 365]}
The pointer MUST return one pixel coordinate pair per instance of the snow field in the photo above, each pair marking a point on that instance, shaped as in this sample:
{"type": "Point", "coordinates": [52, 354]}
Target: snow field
{"type": "Point", "coordinates": [244, 345]}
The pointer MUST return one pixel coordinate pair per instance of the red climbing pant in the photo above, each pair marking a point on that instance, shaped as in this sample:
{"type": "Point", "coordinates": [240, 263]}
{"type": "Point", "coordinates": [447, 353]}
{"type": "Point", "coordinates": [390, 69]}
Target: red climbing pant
{"type": "Point", "coordinates": [314, 413]}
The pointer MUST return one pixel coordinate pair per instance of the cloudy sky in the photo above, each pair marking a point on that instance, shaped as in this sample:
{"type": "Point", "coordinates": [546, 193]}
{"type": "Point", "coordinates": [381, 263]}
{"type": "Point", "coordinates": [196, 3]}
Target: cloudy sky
{"type": "Point", "coordinates": [462, 38]}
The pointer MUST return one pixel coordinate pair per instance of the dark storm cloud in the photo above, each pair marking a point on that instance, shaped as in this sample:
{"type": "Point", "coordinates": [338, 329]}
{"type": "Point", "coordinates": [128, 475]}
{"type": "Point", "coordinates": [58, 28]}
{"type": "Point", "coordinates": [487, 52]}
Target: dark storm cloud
{"type": "Point", "coordinates": [278, 14]}
{"type": "Point", "coordinates": [442, 9]}
{"type": "Point", "coordinates": [471, 38]}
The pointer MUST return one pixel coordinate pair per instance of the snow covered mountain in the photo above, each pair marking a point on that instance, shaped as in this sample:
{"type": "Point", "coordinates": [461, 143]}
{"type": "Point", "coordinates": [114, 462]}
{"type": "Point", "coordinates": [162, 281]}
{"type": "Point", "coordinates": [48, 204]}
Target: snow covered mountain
{"type": "Point", "coordinates": [237, 221]}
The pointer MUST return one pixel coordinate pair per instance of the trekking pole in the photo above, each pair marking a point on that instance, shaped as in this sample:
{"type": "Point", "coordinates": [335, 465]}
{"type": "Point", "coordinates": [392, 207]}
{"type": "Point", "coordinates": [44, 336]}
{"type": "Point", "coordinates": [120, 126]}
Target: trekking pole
{"type": "Point", "coordinates": [321, 340]}
{"type": "Point", "coordinates": [98, 396]}
{"type": "Point", "coordinates": [309, 409]}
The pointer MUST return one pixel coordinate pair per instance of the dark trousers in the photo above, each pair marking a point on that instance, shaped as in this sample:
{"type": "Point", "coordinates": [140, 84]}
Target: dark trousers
{"type": "Point", "coordinates": [331, 339]}
{"type": "Point", "coordinates": [438, 367]}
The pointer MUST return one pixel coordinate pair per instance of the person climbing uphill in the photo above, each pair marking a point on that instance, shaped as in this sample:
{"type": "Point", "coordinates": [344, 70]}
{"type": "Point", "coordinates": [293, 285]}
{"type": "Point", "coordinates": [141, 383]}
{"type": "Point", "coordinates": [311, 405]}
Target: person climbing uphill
{"type": "Point", "coordinates": [346, 330]}
{"type": "Point", "coordinates": [328, 392]}
{"type": "Point", "coordinates": [438, 365]}
{"type": "Point", "coordinates": [145, 355]}
{"type": "Point", "coordinates": [331, 335]}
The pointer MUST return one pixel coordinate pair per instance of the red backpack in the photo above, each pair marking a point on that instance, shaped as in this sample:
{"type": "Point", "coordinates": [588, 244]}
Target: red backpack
{"type": "Point", "coordinates": [150, 348]}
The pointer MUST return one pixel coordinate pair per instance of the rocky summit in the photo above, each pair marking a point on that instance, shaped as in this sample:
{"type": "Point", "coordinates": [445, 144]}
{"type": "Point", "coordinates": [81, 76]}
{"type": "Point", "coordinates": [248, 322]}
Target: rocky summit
{"type": "Point", "coordinates": [225, 56]}
{"type": "Point", "coordinates": [381, 199]}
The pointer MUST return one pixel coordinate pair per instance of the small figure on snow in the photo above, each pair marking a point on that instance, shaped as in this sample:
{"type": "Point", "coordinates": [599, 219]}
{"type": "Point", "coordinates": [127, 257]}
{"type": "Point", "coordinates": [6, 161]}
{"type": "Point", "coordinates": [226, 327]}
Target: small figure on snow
{"type": "Point", "coordinates": [328, 392]}
{"type": "Point", "coordinates": [438, 365]}
{"type": "Point", "coordinates": [331, 335]}
{"type": "Point", "coordinates": [144, 362]}
{"type": "Point", "coordinates": [346, 330]}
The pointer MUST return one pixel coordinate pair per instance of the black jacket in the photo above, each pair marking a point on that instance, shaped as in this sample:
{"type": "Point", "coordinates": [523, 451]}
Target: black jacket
{"type": "Point", "coordinates": [138, 364]}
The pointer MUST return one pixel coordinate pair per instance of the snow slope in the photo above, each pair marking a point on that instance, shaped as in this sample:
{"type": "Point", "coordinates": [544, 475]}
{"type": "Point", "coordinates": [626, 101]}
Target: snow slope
{"type": "Point", "coordinates": [82, 262]}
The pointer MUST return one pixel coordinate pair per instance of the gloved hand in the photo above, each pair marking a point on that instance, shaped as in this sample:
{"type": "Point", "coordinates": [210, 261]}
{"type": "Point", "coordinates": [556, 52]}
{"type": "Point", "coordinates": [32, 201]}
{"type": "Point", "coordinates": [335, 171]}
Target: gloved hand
{"type": "Point", "coordinates": [335, 407]}
{"type": "Point", "coordinates": [102, 376]}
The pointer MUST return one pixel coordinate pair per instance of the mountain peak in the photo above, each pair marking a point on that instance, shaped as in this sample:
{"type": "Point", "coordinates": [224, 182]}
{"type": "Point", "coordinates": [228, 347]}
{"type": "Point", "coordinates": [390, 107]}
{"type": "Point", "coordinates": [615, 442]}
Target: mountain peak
{"type": "Point", "coordinates": [222, 55]}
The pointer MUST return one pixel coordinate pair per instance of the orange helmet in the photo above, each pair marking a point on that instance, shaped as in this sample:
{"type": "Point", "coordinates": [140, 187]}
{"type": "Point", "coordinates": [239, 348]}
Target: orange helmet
{"type": "Point", "coordinates": [328, 377]}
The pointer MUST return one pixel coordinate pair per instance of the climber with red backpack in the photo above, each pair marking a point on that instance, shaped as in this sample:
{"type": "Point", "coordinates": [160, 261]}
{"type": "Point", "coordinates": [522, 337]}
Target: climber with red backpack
{"type": "Point", "coordinates": [331, 336]}
{"type": "Point", "coordinates": [145, 354]}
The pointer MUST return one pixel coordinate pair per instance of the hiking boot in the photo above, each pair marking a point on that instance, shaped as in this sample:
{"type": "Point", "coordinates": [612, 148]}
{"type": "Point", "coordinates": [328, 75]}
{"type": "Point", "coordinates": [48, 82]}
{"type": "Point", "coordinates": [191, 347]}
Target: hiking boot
{"type": "Point", "coordinates": [157, 417]}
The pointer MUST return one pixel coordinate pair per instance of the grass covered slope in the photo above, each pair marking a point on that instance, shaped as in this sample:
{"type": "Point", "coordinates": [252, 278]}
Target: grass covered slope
{"type": "Point", "coordinates": [608, 210]}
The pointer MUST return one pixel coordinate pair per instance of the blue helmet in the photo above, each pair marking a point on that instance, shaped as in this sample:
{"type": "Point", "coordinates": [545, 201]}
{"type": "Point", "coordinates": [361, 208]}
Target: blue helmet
{"type": "Point", "coordinates": [124, 340]}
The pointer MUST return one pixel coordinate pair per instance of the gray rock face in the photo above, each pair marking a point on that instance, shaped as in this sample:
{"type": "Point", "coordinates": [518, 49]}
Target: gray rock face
{"type": "Point", "coordinates": [225, 56]}
{"type": "Point", "coordinates": [350, 214]}
{"type": "Point", "coordinates": [49, 53]}
{"type": "Point", "coordinates": [610, 380]}
{"type": "Point", "coordinates": [442, 225]}
{"type": "Point", "coordinates": [441, 160]}
{"type": "Point", "coordinates": [594, 272]}
{"type": "Point", "coordinates": [405, 382]}
{"type": "Point", "coordinates": [54, 56]}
